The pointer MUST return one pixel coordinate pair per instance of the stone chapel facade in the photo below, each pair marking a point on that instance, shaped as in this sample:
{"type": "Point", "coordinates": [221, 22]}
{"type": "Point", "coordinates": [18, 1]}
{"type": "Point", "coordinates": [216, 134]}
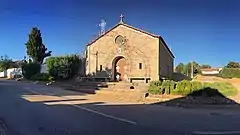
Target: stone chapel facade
{"type": "Point", "coordinates": [126, 53]}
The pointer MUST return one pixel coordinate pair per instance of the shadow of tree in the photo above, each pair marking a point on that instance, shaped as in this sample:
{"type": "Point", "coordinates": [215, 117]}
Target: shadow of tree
{"type": "Point", "coordinates": [88, 83]}
{"type": "Point", "coordinates": [201, 98]}
{"type": "Point", "coordinates": [179, 77]}
{"type": "Point", "coordinates": [107, 119]}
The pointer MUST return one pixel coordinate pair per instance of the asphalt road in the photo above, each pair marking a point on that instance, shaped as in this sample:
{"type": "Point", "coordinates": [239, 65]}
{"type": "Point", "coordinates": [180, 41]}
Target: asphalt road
{"type": "Point", "coordinates": [32, 117]}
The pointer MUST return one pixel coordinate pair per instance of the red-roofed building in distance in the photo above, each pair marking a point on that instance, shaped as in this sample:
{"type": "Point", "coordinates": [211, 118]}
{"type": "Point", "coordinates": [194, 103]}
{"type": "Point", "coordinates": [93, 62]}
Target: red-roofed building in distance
{"type": "Point", "coordinates": [210, 71]}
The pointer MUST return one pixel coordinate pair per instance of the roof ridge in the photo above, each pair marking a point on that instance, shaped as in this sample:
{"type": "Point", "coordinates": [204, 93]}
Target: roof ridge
{"type": "Point", "coordinates": [124, 24]}
{"type": "Point", "coordinates": [132, 27]}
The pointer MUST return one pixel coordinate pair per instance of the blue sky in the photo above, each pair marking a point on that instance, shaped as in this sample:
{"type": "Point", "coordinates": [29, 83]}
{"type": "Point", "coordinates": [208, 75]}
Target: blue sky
{"type": "Point", "coordinates": [206, 31]}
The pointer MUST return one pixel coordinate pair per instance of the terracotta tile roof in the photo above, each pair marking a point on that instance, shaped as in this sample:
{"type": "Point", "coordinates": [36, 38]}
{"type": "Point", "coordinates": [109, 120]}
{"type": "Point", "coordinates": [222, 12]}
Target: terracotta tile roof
{"type": "Point", "coordinates": [129, 26]}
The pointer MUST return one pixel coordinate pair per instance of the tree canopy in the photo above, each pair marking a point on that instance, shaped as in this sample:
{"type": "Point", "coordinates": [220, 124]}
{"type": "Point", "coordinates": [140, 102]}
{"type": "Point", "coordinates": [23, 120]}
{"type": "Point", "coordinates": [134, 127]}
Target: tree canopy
{"type": "Point", "coordinates": [187, 68]}
{"type": "Point", "coordinates": [36, 50]}
{"type": "Point", "coordinates": [233, 64]}
{"type": "Point", "coordinates": [180, 68]}
{"type": "Point", "coordinates": [204, 66]}
{"type": "Point", "coordinates": [6, 63]}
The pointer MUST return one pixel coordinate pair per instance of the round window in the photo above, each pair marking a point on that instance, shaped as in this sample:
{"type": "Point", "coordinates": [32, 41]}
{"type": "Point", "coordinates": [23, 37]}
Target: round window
{"type": "Point", "coordinates": [119, 40]}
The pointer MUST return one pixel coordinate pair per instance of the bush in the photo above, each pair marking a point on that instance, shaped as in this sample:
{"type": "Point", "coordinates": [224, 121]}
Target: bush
{"type": "Point", "coordinates": [196, 86]}
{"type": "Point", "coordinates": [156, 83]}
{"type": "Point", "coordinates": [186, 87]}
{"type": "Point", "coordinates": [155, 87]}
{"type": "Point", "coordinates": [230, 73]}
{"type": "Point", "coordinates": [30, 69]}
{"type": "Point", "coordinates": [168, 86]}
{"type": "Point", "coordinates": [172, 85]}
{"type": "Point", "coordinates": [51, 79]}
{"type": "Point", "coordinates": [63, 66]}
{"type": "Point", "coordinates": [183, 87]}
{"type": "Point", "coordinates": [40, 77]}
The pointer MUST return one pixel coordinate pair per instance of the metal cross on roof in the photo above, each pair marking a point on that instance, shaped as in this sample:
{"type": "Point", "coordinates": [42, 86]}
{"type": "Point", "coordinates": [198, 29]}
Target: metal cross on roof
{"type": "Point", "coordinates": [121, 18]}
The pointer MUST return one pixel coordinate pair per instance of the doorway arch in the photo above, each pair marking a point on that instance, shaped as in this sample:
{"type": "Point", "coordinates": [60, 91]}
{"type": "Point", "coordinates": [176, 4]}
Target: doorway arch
{"type": "Point", "coordinates": [118, 68]}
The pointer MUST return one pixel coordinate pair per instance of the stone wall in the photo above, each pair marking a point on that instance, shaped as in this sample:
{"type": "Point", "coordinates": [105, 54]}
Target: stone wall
{"type": "Point", "coordinates": [166, 62]}
{"type": "Point", "coordinates": [140, 48]}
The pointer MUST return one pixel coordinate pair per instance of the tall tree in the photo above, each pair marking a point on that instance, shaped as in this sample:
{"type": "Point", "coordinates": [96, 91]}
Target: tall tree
{"type": "Point", "coordinates": [5, 63]}
{"type": "Point", "coordinates": [204, 66]}
{"type": "Point", "coordinates": [180, 68]}
{"type": "Point", "coordinates": [192, 67]}
{"type": "Point", "coordinates": [35, 48]}
{"type": "Point", "coordinates": [233, 64]}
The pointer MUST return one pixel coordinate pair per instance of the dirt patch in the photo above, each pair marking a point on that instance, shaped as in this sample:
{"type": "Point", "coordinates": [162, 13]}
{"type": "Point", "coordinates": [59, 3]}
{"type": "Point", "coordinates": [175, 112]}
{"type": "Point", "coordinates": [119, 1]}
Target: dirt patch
{"type": "Point", "coordinates": [210, 79]}
{"type": "Point", "coordinates": [234, 81]}
{"type": "Point", "coordinates": [123, 96]}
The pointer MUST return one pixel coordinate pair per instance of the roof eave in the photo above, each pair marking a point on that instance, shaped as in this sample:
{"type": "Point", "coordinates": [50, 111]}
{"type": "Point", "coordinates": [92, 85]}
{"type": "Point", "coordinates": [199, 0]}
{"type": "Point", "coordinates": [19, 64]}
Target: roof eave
{"type": "Point", "coordinates": [165, 44]}
{"type": "Point", "coordinates": [155, 36]}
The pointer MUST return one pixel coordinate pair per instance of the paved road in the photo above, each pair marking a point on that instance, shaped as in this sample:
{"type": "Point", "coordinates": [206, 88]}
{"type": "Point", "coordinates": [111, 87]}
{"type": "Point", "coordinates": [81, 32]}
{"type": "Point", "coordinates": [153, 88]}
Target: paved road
{"type": "Point", "coordinates": [59, 114]}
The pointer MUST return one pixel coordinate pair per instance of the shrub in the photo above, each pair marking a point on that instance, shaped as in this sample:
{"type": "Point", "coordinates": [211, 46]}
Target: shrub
{"type": "Point", "coordinates": [51, 79]}
{"type": "Point", "coordinates": [183, 87]}
{"type": "Point", "coordinates": [168, 86]}
{"type": "Point", "coordinates": [188, 86]}
{"type": "Point", "coordinates": [30, 69]}
{"type": "Point", "coordinates": [230, 73]}
{"type": "Point", "coordinates": [172, 85]}
{"type": "Point", "coordinates": [155, 87]}
{"type": "Point", "coordinates": [165, 87]}
{"type": "Point", "coordinates": [196, 86]}
{"type": "Point", "coordinates": [63, 66]}
{"type": "Point", "coordinates": [40, 77]}
{"type": "Point", "coordinates": [179, 88]}
{"type": "Point", "coordinates": [156, 83]}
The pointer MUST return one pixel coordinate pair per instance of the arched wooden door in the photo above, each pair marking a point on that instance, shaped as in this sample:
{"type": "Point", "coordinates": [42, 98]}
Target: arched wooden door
{"type": "Point", "coordinates": [119, 68]}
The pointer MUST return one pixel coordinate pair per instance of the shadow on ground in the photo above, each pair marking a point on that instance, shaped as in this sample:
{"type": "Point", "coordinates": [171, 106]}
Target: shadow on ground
{"type": "Point", "coordinates": [207, 97]}
{"type": "Point", "coordinates": [76, 116]}
{"type": "Point", "coordinates": [179, 77]}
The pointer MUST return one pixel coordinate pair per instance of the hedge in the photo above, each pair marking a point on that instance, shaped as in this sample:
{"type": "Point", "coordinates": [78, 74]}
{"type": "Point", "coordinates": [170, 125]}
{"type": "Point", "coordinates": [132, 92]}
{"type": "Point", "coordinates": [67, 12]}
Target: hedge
{"type": "Point", "coordinates": [196, 86]}
{"type": "Point", "coordinates": [30, 69]}
{"type": "Point", "coordinates": [186, 87]}
{"type": "Point", "coordinates": [168, 86]}
{"type": "Point", "coordinates": [183, 87]}
{"type": "Point", "coordinates": [155, 87]}
{"type": "Point", "coordinates": [230, 73]}
{"type": "Point", "coordinates": [63, 66]}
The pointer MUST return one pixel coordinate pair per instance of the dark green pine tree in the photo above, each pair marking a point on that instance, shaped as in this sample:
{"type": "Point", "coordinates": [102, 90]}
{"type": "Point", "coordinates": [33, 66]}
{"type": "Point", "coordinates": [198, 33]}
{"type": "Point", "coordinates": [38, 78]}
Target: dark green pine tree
{"type": "Point", "coordinates": [36, 50]}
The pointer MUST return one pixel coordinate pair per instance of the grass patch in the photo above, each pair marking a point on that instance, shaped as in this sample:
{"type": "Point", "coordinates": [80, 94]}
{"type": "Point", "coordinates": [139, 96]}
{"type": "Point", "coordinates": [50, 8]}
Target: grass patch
{"type": "Point", "coordinates": [225, 88]}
